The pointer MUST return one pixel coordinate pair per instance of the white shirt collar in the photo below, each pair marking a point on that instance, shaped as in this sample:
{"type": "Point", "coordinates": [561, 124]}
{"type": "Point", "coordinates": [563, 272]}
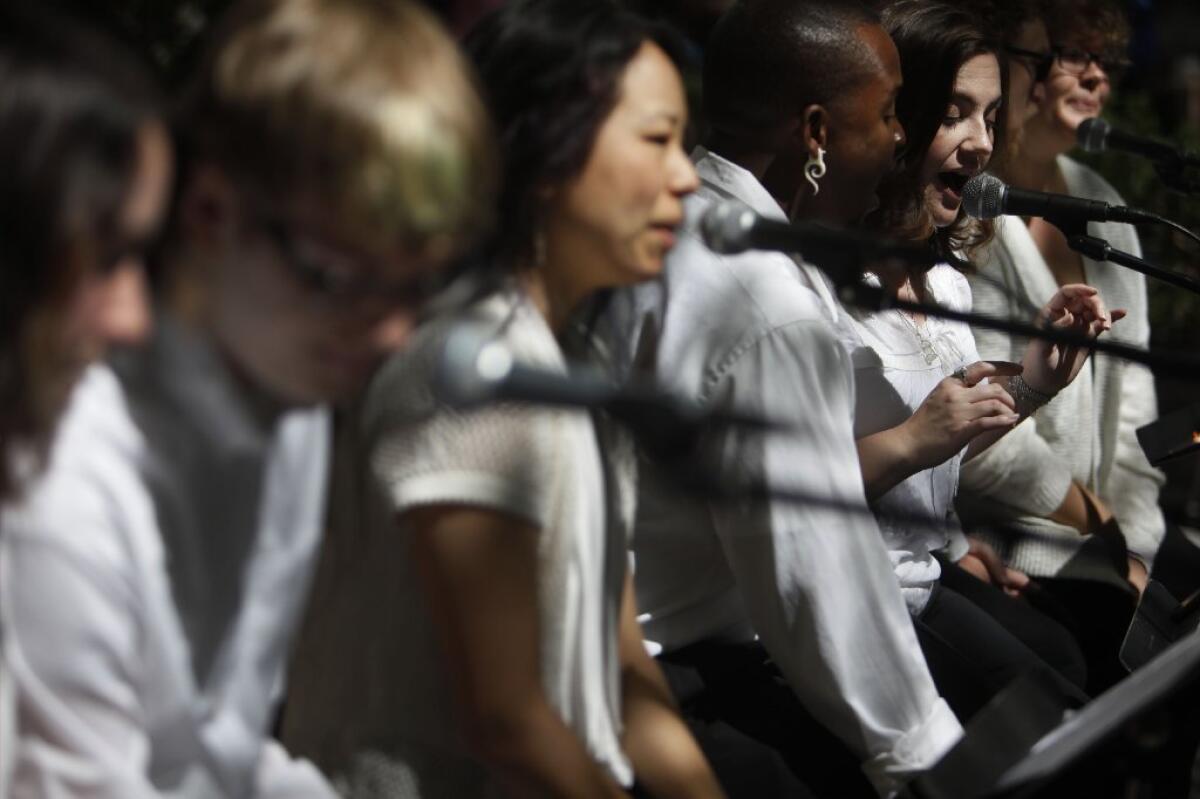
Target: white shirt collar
{"type": "Point", "coordinates": [737, 183]}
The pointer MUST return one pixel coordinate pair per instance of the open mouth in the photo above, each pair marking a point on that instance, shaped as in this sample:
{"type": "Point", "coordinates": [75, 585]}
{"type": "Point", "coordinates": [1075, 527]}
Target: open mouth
{"type": "Point", "coordinates": [952, 182]}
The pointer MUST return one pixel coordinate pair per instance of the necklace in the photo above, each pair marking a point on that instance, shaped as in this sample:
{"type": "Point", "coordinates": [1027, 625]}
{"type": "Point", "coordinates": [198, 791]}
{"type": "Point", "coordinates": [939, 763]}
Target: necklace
{"type": "Point", "coordinates": [926, 344]}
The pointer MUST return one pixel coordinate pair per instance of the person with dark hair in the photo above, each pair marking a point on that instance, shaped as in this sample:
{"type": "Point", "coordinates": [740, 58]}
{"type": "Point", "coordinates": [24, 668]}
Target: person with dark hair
{"type": "Point", "coordinates": [86, 161]}
{"type": "Point", "coordinates": [87, 166]}
{"type": "Point", "coordinates": [975, 638]}
{"type": "Point", "coordinates": [1076, 497]}
{"type": "Point", "coordinates": [779, 623]}
{"type": "Point", "coordinates": [334, 155]}
{"type": "Point", "coordinates": [473, 629]}
{"type": "Point", "coordinates": [1018, 26]}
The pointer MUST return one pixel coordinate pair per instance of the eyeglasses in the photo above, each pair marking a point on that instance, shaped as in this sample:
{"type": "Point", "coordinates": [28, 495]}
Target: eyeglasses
{"type": "Point", "coordinates": [341, 282]}
{"type": "Point", "coordinates": [1075, 61]}
{"type": "Point", "coordinates": [1039, 63]}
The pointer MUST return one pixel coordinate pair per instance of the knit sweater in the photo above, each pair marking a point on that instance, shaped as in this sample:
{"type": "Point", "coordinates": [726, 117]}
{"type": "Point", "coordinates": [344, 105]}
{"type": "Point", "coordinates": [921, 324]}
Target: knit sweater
{"type": "Point", "coordinates": [1087, 432]}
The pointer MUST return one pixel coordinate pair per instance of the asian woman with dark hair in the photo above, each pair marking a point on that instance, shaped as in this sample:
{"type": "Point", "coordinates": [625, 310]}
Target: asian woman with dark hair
{"type": "Point", "coordinates": [473, 628]}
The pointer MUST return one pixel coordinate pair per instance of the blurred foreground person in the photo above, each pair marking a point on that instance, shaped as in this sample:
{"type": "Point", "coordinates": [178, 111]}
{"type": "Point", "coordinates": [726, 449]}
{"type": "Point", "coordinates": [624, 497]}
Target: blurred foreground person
{"type": "Point", "coordinates": [331, 150]}
{"type": "Point", "coordinates": [86, 168]}
{"type": "Point", "coordinates": [472, 631]}
{"type": "Point", "coordinates": [1076, 480]}
{"type": "Point", "coordinates": [777, 618]}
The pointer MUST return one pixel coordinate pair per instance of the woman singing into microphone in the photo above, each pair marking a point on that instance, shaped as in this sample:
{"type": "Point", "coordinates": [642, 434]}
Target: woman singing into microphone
{"type": "Point", "coordinates": [473, 630]}
{"type": "Point", "coordinates": [923, 404]}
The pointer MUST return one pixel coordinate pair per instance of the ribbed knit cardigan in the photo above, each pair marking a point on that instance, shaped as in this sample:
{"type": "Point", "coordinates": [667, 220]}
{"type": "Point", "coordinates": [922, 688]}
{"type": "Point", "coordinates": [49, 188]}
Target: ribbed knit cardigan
{"type": "Point", "coordinates": [1087, 432]}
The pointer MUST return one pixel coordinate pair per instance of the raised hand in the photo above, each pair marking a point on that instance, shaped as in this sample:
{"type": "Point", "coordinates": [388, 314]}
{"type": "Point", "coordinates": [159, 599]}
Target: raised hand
{"type": "Point", "coordinates": [1050, 367]}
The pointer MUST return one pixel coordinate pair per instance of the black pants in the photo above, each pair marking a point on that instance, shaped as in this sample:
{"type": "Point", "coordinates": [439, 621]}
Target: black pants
{"type": "Point", "coordinates": [977, 640]}
{"type": "Point", "coordinates": [760, 740]}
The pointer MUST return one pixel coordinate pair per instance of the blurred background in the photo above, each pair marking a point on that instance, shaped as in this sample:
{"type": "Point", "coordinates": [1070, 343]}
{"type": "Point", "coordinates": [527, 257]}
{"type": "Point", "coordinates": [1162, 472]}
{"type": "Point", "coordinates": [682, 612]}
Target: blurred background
{"type": "Point", "coordinates": [1160, 96]}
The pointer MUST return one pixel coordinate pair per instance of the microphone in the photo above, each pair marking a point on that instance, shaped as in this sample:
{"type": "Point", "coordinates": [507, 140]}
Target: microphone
{"type": "Point", "coordinates": [476, 369]}
{"type": "Point", "coordinates": [730, 227]}
{"type": "Point", "coordinates": [986, 197]}
{"type": "Point", "coordinates": [1095, 135]}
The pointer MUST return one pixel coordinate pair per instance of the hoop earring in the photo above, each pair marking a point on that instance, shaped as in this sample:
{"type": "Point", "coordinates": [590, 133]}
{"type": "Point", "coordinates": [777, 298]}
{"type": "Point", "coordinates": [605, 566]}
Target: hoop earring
{"type": "Point", "coordinates": [814, 169]}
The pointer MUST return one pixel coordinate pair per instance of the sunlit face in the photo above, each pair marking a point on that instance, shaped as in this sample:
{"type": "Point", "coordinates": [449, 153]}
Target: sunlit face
{"type": "Point", "coordinates": [864, 136]}
{"type": "Point", "coordinates": [108, 303]}
{"type": "Point", "coordinates": [1072, 98]}
{"type": "Point", "coordinates": [614, 223]}
{"type": "Point", "coordinates": [963, 144]}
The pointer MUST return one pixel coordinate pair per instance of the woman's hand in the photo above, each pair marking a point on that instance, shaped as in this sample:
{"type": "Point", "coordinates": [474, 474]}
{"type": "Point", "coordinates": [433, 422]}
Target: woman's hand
{"type": "Point", "coordinates": [1075, 308]}
{"type": "Point", "coordinates": [983, 562]}
{"type": "Point", "coordinates": [958, 410]}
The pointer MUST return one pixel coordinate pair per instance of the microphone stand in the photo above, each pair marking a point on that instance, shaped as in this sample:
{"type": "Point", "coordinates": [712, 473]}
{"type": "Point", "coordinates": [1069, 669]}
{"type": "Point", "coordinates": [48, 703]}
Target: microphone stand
{"type": "Point", "coordinates": [872, 298]}
{"type": "Point", "coordinates": [1098, 249]}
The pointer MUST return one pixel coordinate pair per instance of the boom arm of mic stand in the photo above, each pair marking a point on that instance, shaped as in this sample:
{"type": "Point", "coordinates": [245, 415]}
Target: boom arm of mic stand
{"type": "Point", "coordinates": [1100, 250]}
{"type": "Point", "coordinates": [1177, 365]}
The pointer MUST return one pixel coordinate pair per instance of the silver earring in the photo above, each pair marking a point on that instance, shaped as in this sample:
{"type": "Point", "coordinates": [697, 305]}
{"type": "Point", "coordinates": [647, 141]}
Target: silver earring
{"type": "Point", "coordinates": [814, 169]}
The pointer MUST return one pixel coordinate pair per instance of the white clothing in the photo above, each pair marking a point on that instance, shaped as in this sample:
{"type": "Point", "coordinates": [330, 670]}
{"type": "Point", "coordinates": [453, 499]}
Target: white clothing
{"type": "Point", "coordinates": [150, 582]}
{"type": "Point", "coordinates": [370, 702]}
{"type": "Point", "coordinates": [748, 332]}
{"type": "Point", "coordinates": [896, 365]}
{"type": "Point", "coordinates": [1087, 432]}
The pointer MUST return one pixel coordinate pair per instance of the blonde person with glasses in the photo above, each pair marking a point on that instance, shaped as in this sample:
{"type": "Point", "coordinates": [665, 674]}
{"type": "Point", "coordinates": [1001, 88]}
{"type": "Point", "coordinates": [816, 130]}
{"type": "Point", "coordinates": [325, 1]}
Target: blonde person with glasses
{"type": "Point", "coordinates": [473, 631]}
{"type": "Point", "coordinates": [1075, 480]}
{"type": "Point", "coordinates": [334, 154]}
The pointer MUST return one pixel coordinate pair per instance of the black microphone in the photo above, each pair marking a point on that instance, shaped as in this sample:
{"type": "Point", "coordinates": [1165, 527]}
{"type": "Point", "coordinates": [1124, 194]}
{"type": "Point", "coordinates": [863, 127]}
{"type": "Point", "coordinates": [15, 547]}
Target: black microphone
{"type": "Point", "coordinates": [986, 197]}
{"type": "Point", "coordinates": [477, 369]}
{"type": "Point", "coordinates": [1095, 136]}
{"type": "Point", "coordinates": [730, 228]}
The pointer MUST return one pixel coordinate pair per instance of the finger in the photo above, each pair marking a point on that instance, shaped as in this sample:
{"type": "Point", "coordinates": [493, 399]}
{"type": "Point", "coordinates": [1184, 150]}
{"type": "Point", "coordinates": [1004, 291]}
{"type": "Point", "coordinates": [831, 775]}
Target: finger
{"type": "Point", "coordinates": [987, 424]}
{"type": "Point", "coordinates": [1015, 579]}
{"type": "Point", "coordinates": [1117, 314]}
{"type": "Point", "coordinates": [977, 371]}
{"type": "Point", "coordinates": [990, 391]}
{"type": "Point", "coordinates": [1006, 368]}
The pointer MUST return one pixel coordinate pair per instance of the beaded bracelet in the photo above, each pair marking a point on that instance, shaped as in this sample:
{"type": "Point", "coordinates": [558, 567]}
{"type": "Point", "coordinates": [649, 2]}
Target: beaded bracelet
{"type": "Point", "coordinates": [1027, 398]}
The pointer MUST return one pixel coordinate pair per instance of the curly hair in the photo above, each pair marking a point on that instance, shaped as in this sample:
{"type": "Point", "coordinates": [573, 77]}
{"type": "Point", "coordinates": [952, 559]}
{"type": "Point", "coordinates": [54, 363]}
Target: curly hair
{"type": "Point", "coordinates": [1102, 20]}
{"type": "Point", "coordinates": [551, 72]}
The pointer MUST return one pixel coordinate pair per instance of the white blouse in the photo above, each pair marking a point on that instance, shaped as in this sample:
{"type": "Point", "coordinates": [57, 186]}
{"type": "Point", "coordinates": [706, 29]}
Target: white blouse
{"type": "Point", "coordinates": [370, 701]}
{"type": "Point", "coordinates": [897, 362]}
{"type": "Point", "coordinates": [151, 581]}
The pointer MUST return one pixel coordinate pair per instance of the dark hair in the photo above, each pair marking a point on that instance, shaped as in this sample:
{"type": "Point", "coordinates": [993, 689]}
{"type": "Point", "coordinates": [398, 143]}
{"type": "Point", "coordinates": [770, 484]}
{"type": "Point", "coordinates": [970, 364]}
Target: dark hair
{"type": "Point", "coordinates": [1102, 19]}
{"type": "Point", "coordinates": [768, 59]}
{"type": "Point", "coordinates": [1003, 19]}
{"type": "Point", "coordinates": [934, 40]}
{"type": "Point", "coordinates": [71, 108]}
{"type": "Point", "coordinates": [550, 72]}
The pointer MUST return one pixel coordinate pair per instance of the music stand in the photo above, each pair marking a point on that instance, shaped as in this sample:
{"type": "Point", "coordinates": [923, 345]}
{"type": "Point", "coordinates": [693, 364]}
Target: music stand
{"type": "Point", "coordinates": [1124, 705]}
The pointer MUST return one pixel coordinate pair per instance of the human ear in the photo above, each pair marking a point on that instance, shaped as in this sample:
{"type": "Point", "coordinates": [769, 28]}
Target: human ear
{"type": "Point", "coordinates": [813, 131]}
{"type": "Point", "coordinates": [209, 208]}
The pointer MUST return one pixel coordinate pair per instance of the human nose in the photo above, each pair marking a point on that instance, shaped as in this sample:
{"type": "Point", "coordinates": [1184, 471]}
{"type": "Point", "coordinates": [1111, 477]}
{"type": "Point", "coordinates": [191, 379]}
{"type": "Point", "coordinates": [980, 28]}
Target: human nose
{"type": "Point", "coordinates": [122, 307]}
{"type": "Point", "coordinates": [978, 144]}
{"type": "Point", "coordinates": [684, 179]}
{"type": "Point", "coordinates": [1093, 74]}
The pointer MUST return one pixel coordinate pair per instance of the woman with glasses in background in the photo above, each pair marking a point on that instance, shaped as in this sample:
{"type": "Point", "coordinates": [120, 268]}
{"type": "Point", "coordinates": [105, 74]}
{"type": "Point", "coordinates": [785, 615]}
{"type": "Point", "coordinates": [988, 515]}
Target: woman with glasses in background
{"type": "Point", "coordinates": [1075, 479]}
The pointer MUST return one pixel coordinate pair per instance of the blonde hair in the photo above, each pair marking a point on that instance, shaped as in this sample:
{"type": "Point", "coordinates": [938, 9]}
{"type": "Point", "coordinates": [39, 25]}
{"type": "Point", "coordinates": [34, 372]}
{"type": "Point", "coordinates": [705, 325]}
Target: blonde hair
{"type": "Point", "coordinates": [365, 104]}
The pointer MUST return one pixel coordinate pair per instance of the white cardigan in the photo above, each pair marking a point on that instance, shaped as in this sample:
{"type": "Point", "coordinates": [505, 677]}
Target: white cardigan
{"type": "Point", "coordinates": [1087, 433]}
